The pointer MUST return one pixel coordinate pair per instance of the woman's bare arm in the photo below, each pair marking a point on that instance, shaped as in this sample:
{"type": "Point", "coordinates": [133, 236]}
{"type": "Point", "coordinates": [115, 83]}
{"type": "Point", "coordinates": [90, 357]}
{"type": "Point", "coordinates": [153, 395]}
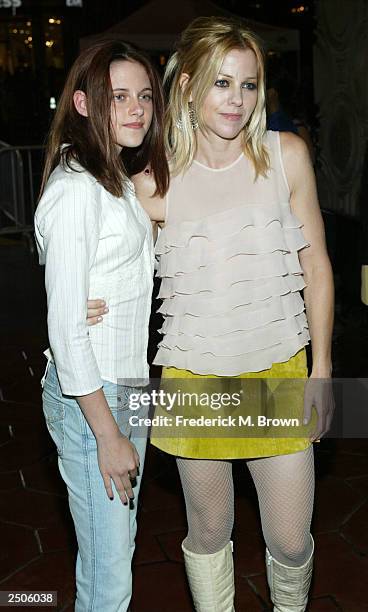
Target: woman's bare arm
{"type": "Point", "coordinates": [319, 292]}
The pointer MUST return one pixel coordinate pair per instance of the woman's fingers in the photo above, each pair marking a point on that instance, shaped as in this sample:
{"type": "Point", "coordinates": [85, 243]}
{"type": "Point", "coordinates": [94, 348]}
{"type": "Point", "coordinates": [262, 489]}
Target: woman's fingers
{"type": "Point", "coordinates": [94, 320]}
{"type": "Point", "coordinates": [319, 393]}
{"type": "Point", "coordinates": [307, 409]}
{"type": "Point", "coordinates": [122, 484]}
{"type": "Point", "coordinates": [123, 488]}
{"type": "Point", "coordinates": [95, 311]}
{"type": "Point", "coordinates": [133, 474]}
{"type": "Point", "coordinates": [96, 304]}
{"type": "Point", "coordinates": [108, 487]}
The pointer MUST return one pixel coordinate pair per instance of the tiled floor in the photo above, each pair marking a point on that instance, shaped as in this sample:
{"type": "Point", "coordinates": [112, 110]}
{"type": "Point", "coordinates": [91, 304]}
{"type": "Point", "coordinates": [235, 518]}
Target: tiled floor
{"type": "Point", "coordinates": [37, 541]}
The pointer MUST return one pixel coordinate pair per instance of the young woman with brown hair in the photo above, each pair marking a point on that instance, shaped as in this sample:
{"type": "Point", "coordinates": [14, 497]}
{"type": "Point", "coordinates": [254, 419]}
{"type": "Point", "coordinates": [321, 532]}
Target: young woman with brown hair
{"type": "Point", "coordinates": [94, 238]}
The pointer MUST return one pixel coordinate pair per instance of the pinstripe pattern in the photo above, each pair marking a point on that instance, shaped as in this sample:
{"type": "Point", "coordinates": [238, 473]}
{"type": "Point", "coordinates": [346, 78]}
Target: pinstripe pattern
{"type": "Point", "coordinates": [95, 245]}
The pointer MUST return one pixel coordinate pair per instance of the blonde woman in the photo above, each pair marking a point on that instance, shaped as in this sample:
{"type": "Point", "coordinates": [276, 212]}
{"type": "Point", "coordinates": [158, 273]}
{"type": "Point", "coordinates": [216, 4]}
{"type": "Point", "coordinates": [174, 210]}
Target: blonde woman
{"type": "Point", "coordinates": [233, 259]}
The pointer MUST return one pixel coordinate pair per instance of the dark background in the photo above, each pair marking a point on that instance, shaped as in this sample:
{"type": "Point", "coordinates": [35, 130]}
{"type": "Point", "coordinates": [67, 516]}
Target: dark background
{"type": "Point", "coordinates": [33, 72]}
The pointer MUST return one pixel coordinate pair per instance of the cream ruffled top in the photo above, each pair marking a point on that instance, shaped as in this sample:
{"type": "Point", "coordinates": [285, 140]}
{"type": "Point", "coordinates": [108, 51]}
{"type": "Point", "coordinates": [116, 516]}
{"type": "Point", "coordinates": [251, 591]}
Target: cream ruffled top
{"type": "Point", "coordinates": [231, 277]}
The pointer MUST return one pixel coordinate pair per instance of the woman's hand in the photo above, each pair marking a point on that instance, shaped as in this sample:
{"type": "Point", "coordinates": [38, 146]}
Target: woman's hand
{"type": "Point", "coordinates": [118, 461]}
{"type": "Point", "coordinates": [95, 311]}
{"type": "Point", "coordinates": [318, 392]}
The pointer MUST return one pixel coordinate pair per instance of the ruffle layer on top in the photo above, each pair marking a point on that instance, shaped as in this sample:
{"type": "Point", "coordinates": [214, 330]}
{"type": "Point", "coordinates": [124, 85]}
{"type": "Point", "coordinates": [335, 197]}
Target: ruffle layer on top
{"type": "Point", "coordinates": [230, 285]}
{"type": "Point", "coordinates": [225, 224]}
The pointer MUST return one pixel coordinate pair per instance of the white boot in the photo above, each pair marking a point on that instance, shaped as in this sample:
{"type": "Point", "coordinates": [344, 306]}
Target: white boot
{"type": "Point", "coordinates": [211, 579]}
{"type": "Point", "coordinates": [289, 586]}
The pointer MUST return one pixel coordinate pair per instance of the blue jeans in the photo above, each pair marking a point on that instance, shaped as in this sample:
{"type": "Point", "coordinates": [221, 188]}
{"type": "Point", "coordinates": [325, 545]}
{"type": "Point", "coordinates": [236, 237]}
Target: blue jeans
{"type": "Point", "coordinates": [105, 529]}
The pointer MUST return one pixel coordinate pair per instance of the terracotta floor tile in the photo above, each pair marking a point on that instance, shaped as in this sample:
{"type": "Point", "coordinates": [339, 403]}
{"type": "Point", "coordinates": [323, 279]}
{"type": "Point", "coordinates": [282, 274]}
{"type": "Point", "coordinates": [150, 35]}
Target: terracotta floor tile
{"type": "Point", "coordinates": [20, 452]}
{"type": "Point", "coordinates": [32, 509]}
{"type": "Point", "coordinates": [23, 387]}
{"type": "Point", "coordinates": [52, 572]}
{"type": "Point", "coordinates": [44, 476]}
{"type": "Point", "coordinates": [247, 515]}
{"type": "Point", "coordinates": [249, 553]}
{"type": "Point", "coordinates": [260, 587]}
{"type": "Point", "coordinates": [59, 536]}
{"type": "Point", "coordinates": [12, 413]}
{"type": "Point", "coordinates": [18, 546]}
{"type": "Point", "coordinates": [171, 545]}
{"type": "Point", "coordinates": [68, 608]}
{"type": "Point", "coordinates": [340, 573]}
{"type": "Point", "coordinates": [347, 465]}
{"type": "Point", "coordinates": [157, 462]}
{"type": "Point", "coordinates": [35, 432]}
{"type": "Point", "coordinates": [245, 598]}
{"type": "Point", "coordinates": [163, 492]}
{"type": "Point", "coordinates": [147, 547]}
{"type": "Point", "coordinates": [345, 499]}
{"type": "Point", "coordinates": [11, 362]}
{"type": "Point", "coordinates": [352, 446]}
{"type": "Point", "coordinates": [360, 484]}
{"type": "Point", "coordinates": [5, 434]}
{"type": "Point", "coordinates": [10, 481]}
{"type": "Point", "coordinates": [29, 443]}
{"type": "Point", "coordinates": [160, 587]}
{"type": "Point", "coordinates": [324, 457]}
{"type": "Point", "coordinates": [162, 521]}
{"type": "Point", "coordinates": [322, 604]}
{"type": "Point", "coordinates": [356, 530]}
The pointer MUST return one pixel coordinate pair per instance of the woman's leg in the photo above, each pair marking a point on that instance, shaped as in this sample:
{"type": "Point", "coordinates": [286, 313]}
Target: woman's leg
{"type": "Point", "coordinates": [285, 488]}
{"type": "Point", "coordinates": [105, 529]}
{"type": "Point", "coordinates": [209, 500]}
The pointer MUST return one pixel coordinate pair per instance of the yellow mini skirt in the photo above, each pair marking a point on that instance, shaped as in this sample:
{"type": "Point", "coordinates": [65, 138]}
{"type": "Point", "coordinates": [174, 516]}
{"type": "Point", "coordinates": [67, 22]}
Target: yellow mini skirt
{"type": "Point", "coordinates": [282, 385]}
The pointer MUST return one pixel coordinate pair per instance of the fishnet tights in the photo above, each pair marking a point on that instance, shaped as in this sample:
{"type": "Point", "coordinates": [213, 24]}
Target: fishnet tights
{"type": "Point", "coordinates": [285, 489]}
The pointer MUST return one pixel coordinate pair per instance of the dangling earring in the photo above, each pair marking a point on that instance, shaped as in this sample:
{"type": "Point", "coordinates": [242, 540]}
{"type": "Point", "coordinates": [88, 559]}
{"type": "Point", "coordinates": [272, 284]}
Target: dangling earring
{"type": "Point", "coordinates": [193, 117]}
{"type": "Point", "coordinates": [179, 124]}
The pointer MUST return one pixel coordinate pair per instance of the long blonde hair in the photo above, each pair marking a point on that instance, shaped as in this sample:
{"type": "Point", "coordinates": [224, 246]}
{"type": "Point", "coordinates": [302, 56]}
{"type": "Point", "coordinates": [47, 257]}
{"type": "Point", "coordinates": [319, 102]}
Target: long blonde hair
{"type": "Point", "coordinates": [200, 53]}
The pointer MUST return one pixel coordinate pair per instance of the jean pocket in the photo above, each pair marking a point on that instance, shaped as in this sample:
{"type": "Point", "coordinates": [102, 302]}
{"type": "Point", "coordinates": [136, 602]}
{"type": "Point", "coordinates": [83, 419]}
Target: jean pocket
{"type": "Point", "coordinates": [117, 397]}
{"type": "Point", "coordinates": [54, 412]}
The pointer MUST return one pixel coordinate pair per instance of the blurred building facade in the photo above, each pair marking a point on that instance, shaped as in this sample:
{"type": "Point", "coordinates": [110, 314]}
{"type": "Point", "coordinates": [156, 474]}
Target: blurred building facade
{"type": "Point", "coordinates": [38, 40]}
{"type": "Point", "coordinates": [341, 97]}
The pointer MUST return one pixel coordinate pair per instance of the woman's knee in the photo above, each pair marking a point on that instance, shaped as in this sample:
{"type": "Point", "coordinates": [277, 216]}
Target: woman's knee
{"type": "Point", "coordinates": [291, 551]}
{"type": "Point", "coordinates": [210, 531]}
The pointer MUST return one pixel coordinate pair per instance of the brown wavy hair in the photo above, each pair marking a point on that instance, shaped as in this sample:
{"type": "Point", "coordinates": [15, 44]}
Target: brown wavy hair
{"type": "Point", "coordinates": [89, 141]}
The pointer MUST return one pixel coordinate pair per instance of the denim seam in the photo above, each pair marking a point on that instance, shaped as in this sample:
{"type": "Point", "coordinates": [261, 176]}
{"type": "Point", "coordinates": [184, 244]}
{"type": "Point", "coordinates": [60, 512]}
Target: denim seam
{"type": "Point", "coordinates": [91, 516]}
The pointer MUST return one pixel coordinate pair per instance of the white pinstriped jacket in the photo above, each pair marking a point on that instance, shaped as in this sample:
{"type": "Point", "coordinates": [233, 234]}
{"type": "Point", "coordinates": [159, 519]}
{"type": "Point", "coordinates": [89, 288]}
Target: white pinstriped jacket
{"type": "Point", "coordinates": [95, 245]}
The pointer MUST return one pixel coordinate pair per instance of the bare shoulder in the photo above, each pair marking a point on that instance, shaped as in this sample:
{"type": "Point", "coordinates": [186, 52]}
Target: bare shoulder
{"type": "Point", "coordinates": [144, 183]}
{"type": "Point", "coordinates": [293, 146]}
{"type": "Point", "coordinates": [296, 158]}
{"type": "Point", "coordinates": [145, 187]}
